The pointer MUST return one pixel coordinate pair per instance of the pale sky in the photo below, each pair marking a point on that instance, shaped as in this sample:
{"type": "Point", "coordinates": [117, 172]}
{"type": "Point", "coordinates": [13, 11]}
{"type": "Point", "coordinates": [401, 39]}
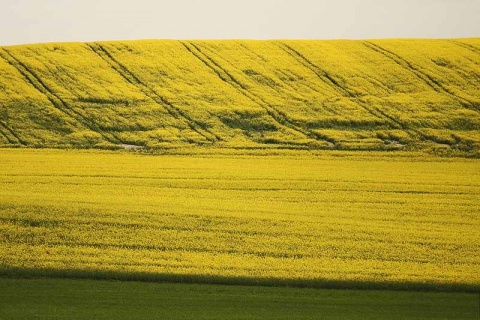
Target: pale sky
{"type": "Point", "coordinates": [32, 21]}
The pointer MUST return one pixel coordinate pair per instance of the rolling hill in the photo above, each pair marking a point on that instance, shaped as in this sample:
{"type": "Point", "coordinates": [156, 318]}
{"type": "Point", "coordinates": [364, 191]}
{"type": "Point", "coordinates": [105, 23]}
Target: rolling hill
{"type": "Point", "coordinates": [349, 95]}
{"type": "Point", "coordinates": [308, 164]}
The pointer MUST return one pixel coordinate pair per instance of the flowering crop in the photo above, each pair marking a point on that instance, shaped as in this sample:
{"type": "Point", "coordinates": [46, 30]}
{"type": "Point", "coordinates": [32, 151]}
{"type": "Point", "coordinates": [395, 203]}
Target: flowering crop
{"type": "Point", "coordinates": [333, 219]}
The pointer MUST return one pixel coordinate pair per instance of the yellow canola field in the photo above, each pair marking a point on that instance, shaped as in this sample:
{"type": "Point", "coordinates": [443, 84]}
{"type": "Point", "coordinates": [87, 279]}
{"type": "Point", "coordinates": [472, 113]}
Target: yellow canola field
{"type": "Point", "coordinates": [347, 95]}
{"type": "Point", "coordinates": [334, 219]}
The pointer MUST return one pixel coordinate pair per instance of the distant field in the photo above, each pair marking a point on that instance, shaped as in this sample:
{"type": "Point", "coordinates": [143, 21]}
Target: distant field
{"type": "Point", "coordinates": [347, 95]}
{"type": "Point", "coordinates": [335, 219]}
{"type": "Point", "coordinates": [80, 299]}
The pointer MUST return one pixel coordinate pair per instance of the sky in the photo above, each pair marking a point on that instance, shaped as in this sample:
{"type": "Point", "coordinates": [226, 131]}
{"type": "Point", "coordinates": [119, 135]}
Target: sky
{"type": "Point", "coordinates": [33, 21]}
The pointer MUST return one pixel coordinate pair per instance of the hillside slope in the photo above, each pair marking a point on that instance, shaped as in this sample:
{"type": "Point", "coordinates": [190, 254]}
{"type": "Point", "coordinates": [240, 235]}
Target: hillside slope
{"type": "Point", "coordinates": [369, 95]}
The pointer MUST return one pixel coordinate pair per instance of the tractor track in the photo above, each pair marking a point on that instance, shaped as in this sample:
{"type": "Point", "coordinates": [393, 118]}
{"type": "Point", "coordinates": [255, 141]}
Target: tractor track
{"type": "Point", "coordinates": [344, 91]}
{"type": "Point", "coordinates": [129, 76]}
{"type": "Point", "coordinates": [426, 78]}
{"type": "Point", "coordinates": [228, 78]}
{"type": "Point", "coordinates": [12, 133]}
{"type": "Point", "coordinates": [34, 80]}
{"type": "Point", "coordinates": [466, 46]}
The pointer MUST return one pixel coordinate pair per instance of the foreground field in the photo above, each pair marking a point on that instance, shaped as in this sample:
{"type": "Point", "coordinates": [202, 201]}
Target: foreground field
{"type": "Point", "coordinates": [335, 219]}
{"type": "Point", "coordinates": [80, 299]}
{"type": "Point", "coordinates": [353, 95]}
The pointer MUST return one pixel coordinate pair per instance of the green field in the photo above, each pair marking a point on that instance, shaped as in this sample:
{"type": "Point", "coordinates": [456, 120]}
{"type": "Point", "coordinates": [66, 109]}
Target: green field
{"type": "Point", "coordinates": [80, 299]}
{"type": "Point", "coordinates": [346, 95]}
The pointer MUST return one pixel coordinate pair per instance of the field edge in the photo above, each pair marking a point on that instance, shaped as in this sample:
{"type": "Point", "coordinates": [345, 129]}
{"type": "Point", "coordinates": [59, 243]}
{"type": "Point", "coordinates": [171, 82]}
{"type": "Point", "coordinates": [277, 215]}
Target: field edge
{"type": "Point", "coordinates": [51, 273]}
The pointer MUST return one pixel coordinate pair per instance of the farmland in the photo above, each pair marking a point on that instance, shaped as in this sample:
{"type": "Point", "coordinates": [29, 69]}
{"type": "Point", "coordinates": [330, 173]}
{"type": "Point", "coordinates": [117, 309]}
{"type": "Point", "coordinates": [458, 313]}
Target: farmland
{"type": "Point", "coordinates": [346, 95]}
{"type": "Point", "coordinates": [336, 219]}
{"type": "Point", "coordinates": [271, 170]}
{"type": "Point", "coordinates": [87, 299]}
